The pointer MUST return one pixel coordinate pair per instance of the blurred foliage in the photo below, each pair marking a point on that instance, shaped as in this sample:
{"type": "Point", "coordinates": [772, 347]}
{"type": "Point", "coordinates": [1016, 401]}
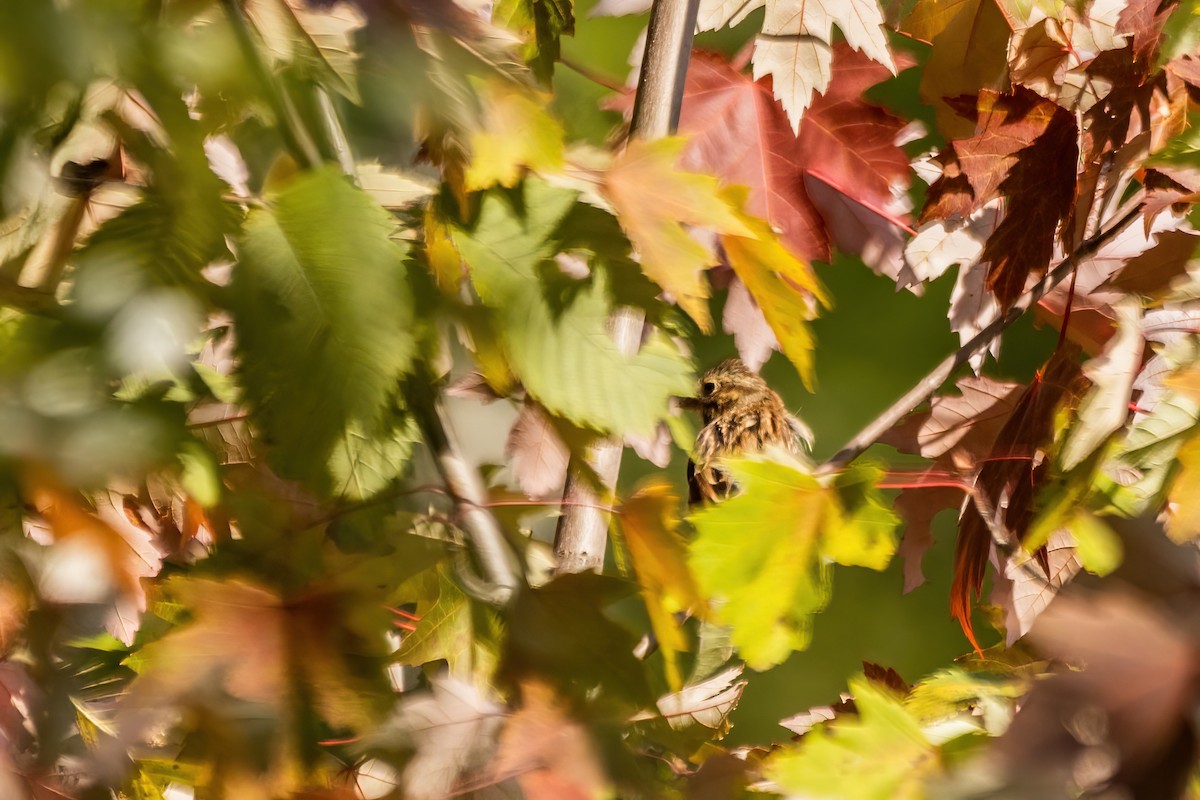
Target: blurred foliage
{"type": "Point", "coordinates": [278, 276]}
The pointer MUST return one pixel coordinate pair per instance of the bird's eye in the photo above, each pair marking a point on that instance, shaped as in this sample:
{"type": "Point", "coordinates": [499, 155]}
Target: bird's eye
{"type": "Point", "coordinates": [708, 388]}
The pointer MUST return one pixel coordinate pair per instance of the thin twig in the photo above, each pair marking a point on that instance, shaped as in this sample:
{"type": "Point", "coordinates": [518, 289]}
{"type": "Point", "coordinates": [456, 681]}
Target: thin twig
{"type": "Point", "coordinates": [592, 75]}
{"type": "Point", "coordinates": [925, 387]}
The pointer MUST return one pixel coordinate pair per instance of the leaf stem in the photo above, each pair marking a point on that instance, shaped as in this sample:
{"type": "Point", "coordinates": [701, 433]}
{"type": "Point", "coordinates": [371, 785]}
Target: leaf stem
{"type": "Point", "coordinates": [925, 387]}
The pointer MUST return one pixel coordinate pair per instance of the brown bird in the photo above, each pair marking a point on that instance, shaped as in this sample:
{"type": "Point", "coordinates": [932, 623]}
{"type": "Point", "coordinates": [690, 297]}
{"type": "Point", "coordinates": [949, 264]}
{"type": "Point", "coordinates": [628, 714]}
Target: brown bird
{"type": "Point", "coordinates": [741, 414]}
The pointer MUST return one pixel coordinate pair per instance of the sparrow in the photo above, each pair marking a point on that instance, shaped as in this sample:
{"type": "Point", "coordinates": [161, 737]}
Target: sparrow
{"type": "Point", "coordinates": [741, 415]}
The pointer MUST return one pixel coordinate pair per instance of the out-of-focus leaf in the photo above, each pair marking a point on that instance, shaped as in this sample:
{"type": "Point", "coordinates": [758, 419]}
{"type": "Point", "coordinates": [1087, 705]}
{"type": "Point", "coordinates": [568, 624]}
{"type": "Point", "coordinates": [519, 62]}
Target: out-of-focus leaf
{"type": "Point", "coordinates": [393, 189]}
{"type": "Point", "coordinates": [654, 200]}
{"type": "Point", "coordinates": [558, 632]}
{"type": "Point", "coordinates": [368, 457]}
{"type": "Point", "coordinates": [563, 356]}
{"type": "Point", "coordinates": [795, 47]}
{"type": "Point", "coordinates": [879, 755]}
{"type": "Point", "coordinates": [1184, 522]}
{"type": "Point", "coordinates": [516, 132]}
{"type": "Point", "coordinates": [320, 40]}
{"type": "Point", "coordinates": [323, 319]}
{"type": "Point", "coordinates": [550, 755]}
{"type": "Point", "coordinates": [248, 641]}
{"type": "Point", "coordinates": [540, 24]}
{"type": "Point", "coordinates": [453, 730]}
{"type": "Point", "coordinates": [785, 288]}
{"type": "Point", "coordinates": [649, 520]}
{"type": "Point", "coordinates": [954, 690]}
{"type": "Point", "coordinates": [763, 555]}
{"type": "Point", "coordinates": [538, 456]}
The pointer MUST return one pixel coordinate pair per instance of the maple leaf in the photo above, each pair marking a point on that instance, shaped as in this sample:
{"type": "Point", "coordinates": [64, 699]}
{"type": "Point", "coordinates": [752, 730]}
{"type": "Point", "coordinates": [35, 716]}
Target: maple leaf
{"type": "Point", "coordinates": [795, 46]}
{"type": "Point", "coordinates": [1106, 406]}
{"type": "Point", "coordinates": [540, 23]}
{"type": "Point", "coordinates": [738, 133]}
{"type": "Point", "coordinates": [772, 577]}
{"type": "Point", "coordinates": [781, 286]}
{"type": "Point", "coordinates": [1024, 594]}
{"type": "Point", "coordinates": [654, 200]}
{"type": "Point", "coordinates": [883, 746]}
{"type": "Point", "coordinates": [1009, 479]}
{"type": "Point", "coordinates": [970, 52]}
{"type": "Point", "coordinates": [1024, 148]}
{"type": "Point", "coordinates": [515, 131]}
{"type": "Point", "coordinates": [651, 527]}
{"type": "Point", "coordinates": [752, 336]}
{"type": "Point", "coordinates": [956, 431]}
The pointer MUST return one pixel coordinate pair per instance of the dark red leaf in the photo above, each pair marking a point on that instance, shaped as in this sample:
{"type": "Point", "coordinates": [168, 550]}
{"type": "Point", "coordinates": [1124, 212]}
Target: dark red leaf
{"type": "Point", "coordinates": [1009, 479]}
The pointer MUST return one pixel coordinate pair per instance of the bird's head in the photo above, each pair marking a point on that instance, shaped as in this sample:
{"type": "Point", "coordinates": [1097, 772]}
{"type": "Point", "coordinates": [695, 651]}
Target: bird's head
{"type": "Point", "coordinates": [727, 386]}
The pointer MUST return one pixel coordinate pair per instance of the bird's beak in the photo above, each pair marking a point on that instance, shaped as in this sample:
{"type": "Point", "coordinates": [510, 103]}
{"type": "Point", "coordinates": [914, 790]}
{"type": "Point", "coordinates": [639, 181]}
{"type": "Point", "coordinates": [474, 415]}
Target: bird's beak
{"type": "Point", "coordinates": [688, 402]}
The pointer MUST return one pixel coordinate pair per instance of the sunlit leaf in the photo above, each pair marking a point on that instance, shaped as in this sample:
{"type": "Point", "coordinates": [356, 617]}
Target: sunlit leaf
{"type": "Point", "coordinates": [883, 748]}
{"type": "Point", "coordinates": [649, 520]}
{"type": "Point", "coordinates": [564, 356]}
{"type": "Point", "coordinates": [763, 555]}
{"type": "Point", "coordinates": [323, 318]}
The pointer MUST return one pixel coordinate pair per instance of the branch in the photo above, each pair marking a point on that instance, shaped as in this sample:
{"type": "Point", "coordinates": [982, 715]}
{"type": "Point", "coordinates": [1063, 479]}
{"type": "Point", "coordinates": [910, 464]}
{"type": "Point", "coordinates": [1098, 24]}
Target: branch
{"type": "Point", "coordinates": [470, 496]}
{"type": "Point", "coordinates": [936, 377]}
{"type": "Point", "coordinates": [582, 534]}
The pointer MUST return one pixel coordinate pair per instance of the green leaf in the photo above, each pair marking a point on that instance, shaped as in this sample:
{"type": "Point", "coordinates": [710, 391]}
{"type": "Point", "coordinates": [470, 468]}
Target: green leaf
{"type": "Point", "coordinates": [323, 317]}
{"type": "Point", "coordinates": [563, 352]}
{"type": "Point", "coordinates": [163, 241]}
{"type": "Point", "coordinates": [368, 458]}
{"type": "Point", "coordinates": [559, 632]}
{"type": "Point", "coordinates": [950, 691]}
{"type": "Point", "coordinates": [540, 23]}
{"type": "Point", "coordinates": [879, 755]}
{"type": "Point", "coordinates": [444, 630]}
{"type": "Point", "coordinates": [764, 554]}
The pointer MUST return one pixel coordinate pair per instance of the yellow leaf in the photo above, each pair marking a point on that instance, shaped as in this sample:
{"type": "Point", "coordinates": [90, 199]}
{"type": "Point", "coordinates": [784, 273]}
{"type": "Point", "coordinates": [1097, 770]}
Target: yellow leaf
{"type": "Point", "coordinates": [651, 526]}
{"type": "Point", "coordinates": [785, 288]}
{"type": "Point", "coordinates": [1184, 523]}
{"type": "Point", "coordinates": [654, 201]}
{"type": "Point", "coordinates": [517, 132]}
{"type": "Point", "coordinates": [444, 260]}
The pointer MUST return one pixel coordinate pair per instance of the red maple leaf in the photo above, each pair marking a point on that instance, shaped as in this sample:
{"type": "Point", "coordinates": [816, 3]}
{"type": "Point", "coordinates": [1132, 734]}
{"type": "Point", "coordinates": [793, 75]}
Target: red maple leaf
{"type": "Point", "coordinates": [741, 134]}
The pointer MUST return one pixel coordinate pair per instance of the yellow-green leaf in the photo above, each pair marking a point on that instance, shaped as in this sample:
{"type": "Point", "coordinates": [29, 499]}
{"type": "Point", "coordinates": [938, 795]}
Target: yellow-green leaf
{"type": "Point", "coordinates": [650, 522]}
{"type": "Point", "coordinates": [517, 132]}
{"type": "Point", "coordinates": [881, 754]}
{"type": "Point", "coordinates": [785, 288]}
{"type": "Point", "coordinates": [654, 200]}
{"type": "Point", "coordinates": [764, 555]}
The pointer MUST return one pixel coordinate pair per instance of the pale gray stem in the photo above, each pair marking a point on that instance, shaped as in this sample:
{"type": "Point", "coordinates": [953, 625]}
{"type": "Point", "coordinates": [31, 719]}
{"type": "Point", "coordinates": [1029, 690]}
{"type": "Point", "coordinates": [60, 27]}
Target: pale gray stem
{"type": "Point", "coordinates": [582, 535]}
